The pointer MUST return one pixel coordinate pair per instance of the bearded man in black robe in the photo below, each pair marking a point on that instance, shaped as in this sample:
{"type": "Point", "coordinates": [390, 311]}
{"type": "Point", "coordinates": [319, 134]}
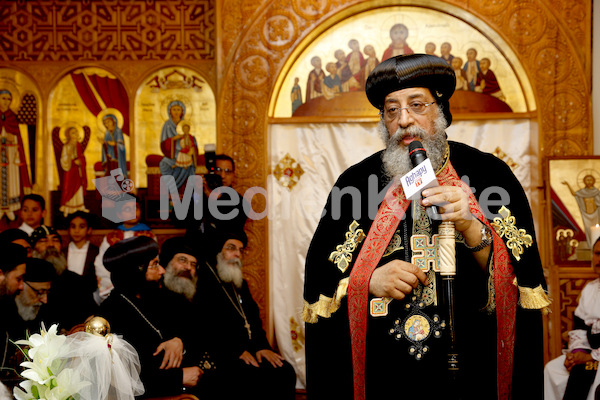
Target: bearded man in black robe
{"type": "Point", "coordinates": [237, 338]}
{"type": "Point", "coordinates": [376, 313]}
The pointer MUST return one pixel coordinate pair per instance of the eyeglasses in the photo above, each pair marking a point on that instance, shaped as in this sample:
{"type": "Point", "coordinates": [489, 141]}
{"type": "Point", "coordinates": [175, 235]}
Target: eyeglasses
{"type": "Point", "coordinates": [233, 247]}
{"type": "Point", "coordinates": [224, 170]}
{"type": "Point", "coordinates": [38, 293]}
{"type": "Point", "coordinates": [154, 264]}
{"type": "Point", "coordinates": [186, 261]}
{"type": "Point", "coordinates": [417, 107]}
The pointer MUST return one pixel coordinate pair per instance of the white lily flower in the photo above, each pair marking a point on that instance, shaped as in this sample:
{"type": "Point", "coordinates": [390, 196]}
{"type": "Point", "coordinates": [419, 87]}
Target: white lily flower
{"type": "Point", "coordinates": [36, 373]}
{"type": "Point", "coordinates": [47, 379]}
{"type": "Point", "coordinates": [38, 338]}
{"type": "Point", "coordinates": [46, 344]}
{"type": "Point", "coordinates": [28, 394]}
{"type": "Point", "coordinates": [46, 351]}
{"type": "Point", "coordinates": [67, 384]}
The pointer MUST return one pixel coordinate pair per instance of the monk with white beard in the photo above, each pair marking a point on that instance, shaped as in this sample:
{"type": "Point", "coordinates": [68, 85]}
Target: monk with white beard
{"type": "Point", "coordinates": [34, 296]}
{"type": "Point", "coordinates": [47, 245]}
{"type": "Point", "coordinates": [237, 336]}
{"type": "Point", "coordinates": [231, 334]}
{"type": "Point", "coordinates": [180, 260]}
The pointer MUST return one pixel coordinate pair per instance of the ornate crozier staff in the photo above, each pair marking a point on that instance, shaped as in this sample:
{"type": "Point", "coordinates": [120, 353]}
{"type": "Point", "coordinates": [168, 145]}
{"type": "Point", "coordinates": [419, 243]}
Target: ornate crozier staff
{"type": "Point", "coordinates": [447, 263]}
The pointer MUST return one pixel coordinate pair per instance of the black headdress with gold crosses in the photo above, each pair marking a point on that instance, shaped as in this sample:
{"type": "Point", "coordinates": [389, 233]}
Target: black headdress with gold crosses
{"type": "Point", "coordinates": [415, 70]}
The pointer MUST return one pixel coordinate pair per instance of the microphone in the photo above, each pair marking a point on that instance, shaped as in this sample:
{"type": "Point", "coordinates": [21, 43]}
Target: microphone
{"type": "Point", "coordinates": [416, 152]}
{"type": "Point", "coordinates": [418, 156]}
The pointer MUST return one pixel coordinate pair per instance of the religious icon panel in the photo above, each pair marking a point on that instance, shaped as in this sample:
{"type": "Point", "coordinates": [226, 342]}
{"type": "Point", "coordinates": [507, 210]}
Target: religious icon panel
{"type": "Point", "coordinates": [574, 198]}
{"type": "Point", "coordinates": [175, 118]}
{"type": "Point", "coordinates": [328, 78]}
{"type": "Point", "coordinates": [19, 128]}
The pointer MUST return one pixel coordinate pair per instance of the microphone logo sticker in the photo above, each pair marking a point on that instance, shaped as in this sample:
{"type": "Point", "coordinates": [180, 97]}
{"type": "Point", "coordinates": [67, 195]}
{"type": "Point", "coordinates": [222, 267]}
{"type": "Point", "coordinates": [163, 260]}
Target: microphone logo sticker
{"type": "Point", "coordinates": [418, 179]}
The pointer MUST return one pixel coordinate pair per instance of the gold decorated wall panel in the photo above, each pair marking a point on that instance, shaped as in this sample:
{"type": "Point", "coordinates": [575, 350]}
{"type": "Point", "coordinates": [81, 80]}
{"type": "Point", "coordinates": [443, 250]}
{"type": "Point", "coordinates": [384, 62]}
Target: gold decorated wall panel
{"type": "Point", "coordinates": [107, 30]}
{"type": "Point", "coordinates": [129, 40]}
{"type": "Point", "coordinates": [59, 103]}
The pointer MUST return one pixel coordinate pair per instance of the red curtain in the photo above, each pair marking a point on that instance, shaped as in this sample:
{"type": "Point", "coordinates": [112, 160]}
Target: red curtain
{"type": "Point", "coordinates": [111, 91]}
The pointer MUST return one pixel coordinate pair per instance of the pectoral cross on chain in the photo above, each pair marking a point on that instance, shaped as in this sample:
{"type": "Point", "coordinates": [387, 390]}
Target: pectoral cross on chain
{"type": "Point", "coordinates": [247, 326]}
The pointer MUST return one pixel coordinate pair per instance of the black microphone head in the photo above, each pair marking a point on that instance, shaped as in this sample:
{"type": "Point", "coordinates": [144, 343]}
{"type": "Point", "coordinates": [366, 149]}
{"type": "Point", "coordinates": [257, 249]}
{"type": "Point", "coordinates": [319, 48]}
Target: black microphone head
{"type": "Point", "coordinates": [415, 145]}
{"type": "Point", "coordinates": [416, 152]}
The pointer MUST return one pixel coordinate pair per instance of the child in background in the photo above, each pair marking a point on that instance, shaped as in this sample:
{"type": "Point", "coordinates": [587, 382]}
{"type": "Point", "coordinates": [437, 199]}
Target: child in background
{"type": "Point", "coordinates": [131, 214]}
{"type": "Point", "coordinates": [80, 252]}
{"type": "Point", "coordinates": [33, 211]}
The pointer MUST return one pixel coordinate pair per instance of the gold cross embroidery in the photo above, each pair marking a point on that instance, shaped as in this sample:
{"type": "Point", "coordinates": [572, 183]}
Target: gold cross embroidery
{"type": "Point", "coordinates": [342, 256]}
{"type": "Point", "coordinates": [394, 245]}
{"type": "Point", "coordinates": [425, 252]}
{"type": "Point", "coordinates": [515, 238]}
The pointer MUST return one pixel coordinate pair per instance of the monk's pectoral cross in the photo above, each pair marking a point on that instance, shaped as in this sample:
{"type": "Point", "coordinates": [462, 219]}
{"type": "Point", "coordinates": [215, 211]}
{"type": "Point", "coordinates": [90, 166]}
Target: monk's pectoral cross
{"type": "Point", "coordinates": [425, 252]}
{"type": "Point", "coordinates": [247, 326]}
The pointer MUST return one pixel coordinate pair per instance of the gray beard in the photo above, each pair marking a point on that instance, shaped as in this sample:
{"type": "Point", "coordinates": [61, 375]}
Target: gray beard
{"type": "Point", "coordinates": [27, 312]}
{"type": "Point", "coordinates": [396, 161]}
{"type": "Point", "coordinates": [185, 285]}
{"type": "Point", "coordinates": [230, 271]}
{"type": "Point", "coordinates": [55, 257]}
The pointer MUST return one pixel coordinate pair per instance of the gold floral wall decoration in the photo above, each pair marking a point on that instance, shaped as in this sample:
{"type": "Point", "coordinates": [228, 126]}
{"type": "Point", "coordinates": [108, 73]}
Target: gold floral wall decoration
{"type": "Point", "coordinates": [296, 334]}
{"type": "Point", "coordinates": [288, 172]}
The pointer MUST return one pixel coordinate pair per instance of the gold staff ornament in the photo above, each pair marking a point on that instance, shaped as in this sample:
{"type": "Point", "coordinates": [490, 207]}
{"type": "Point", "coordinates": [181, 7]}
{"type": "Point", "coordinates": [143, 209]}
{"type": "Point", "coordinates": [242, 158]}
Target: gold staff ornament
{"type": "Point", "coordinates": [98, 326]}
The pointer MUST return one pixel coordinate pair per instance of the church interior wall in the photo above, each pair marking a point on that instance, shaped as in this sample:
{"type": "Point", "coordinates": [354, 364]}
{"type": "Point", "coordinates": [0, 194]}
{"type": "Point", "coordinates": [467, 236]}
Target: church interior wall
{"type": "Point", "coordinates": [242, 48]}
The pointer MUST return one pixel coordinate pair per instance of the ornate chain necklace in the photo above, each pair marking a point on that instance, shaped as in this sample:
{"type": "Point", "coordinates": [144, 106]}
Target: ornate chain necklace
{"type": "Point", "coordinates": [143, 316]}
{"type": "Point", "coordinates": [236, 304]}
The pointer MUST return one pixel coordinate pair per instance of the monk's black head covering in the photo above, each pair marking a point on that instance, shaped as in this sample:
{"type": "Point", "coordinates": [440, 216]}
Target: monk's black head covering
{"type": "Point", "coordinates": [415, 70]}
{"type": "Point", "coordinates": [10, 235]}
{"type": "Point", "coordinates": [38, 270]}
{"type": "Point", "coordinates": [218, 240]}
{"type": "Point", "coordinates": [128, 260]}
{"type": "Point", "coordinates": [175, 245]}
{"type": "Point", "coordinates": [41, 232]}
{"type": "Point", "coordinates": [11, 256]}
{"type": "Point", "coordinates": [225, 236]}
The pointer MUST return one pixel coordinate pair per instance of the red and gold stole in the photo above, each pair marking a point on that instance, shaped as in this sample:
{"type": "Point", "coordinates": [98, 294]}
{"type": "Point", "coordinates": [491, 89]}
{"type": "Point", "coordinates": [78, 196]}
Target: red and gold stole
{"type": "Point", "coordinates": [386, 221]}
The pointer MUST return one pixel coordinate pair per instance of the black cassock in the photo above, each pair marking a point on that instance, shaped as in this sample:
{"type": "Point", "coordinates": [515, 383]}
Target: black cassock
{"type": "Point", "coordinates": [145, 325]}
{"type": "Point", "coordinates": [229, 337]}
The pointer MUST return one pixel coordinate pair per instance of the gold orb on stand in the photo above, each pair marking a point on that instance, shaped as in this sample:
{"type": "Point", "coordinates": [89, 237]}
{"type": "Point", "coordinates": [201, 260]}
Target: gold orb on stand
{"type": "Point", "coordinates": [98, 326]}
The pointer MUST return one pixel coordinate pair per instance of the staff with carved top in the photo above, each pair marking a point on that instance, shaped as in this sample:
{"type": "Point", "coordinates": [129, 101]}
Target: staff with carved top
{"type": "Point", "coordinates": [374, 305]}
